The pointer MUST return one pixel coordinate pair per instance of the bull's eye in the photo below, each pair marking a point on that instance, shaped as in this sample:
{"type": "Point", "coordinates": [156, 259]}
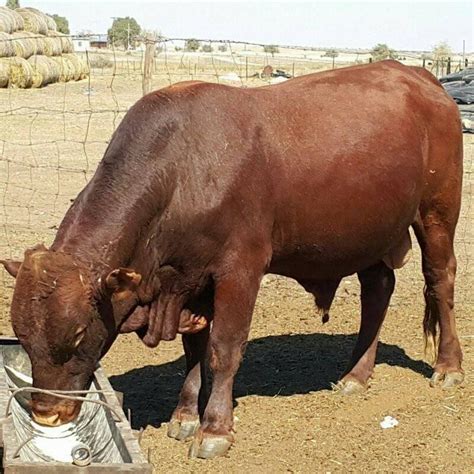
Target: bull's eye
{"type": "Point", "coordinates": [79, 336]}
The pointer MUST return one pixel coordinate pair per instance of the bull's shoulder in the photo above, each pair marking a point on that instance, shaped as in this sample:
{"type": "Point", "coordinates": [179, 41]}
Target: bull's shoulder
{"type": "Point", "coordinates": [184, 86]}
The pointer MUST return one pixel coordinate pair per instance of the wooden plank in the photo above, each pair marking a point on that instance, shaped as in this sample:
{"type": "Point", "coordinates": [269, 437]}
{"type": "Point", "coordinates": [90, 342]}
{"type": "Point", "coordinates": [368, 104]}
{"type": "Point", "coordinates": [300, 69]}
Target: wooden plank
{"type": "Point", "coordinates": [61, 468]}
{"type": "Point", "coordinates": [149, 59]}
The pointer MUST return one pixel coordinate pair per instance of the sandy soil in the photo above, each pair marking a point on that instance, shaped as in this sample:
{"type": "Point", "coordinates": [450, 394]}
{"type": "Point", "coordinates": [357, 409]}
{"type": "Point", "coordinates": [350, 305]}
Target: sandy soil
{"type": "Point", "coordinates": [288, 419]}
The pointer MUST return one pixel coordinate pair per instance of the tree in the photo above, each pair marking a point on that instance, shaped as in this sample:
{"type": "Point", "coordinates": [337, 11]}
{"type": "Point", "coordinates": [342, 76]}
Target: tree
{"type": "Point", "coordinates": [13, 4]}
{"type": "Point", "coordinates": [331, 53]}
{"type": "Point", "coordinates": [192, 45]}
{"type": "Point", "coordinates": [382, 51]}
{"type": "Point", "coordinates": [271, 48]}
{"type": "Point", "coordinates": [441, 51]}
{"type": "Point", "coordinates": [124, 32]}
{"type": "Point", "coordinates": [61, 23]}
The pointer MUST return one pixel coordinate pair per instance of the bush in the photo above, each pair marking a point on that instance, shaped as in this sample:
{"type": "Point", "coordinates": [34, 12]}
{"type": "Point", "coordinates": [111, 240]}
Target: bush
{"type": "Point", "coordinates": [222, 48]}
{"type": "Point", "coordinates": [207, 48]}
{"type": "Point", "coordinates": [13, 4]}
{"type": "Point", "coordinates": [441, 51]}
{"type": "Point", "coordinates": [192, 45]}
{"type": "Point", "coordinates": [381, 51]}
{"type": "Point", "coordinates": [100, 62]}
{"type": "Point", "coordinates": [61, 23]}
{"type": "Point", "coordinates": [271, 49]}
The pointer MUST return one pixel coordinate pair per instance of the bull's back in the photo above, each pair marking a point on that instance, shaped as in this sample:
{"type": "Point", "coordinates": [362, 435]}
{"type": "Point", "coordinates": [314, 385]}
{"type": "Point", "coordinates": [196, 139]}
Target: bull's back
{"type": "Point", "coordinates": [329, 168]}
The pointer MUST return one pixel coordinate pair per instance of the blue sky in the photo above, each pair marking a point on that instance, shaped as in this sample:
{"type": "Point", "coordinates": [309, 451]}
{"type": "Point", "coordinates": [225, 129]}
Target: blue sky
{"type": "Point", "coordinates": [403, 25]}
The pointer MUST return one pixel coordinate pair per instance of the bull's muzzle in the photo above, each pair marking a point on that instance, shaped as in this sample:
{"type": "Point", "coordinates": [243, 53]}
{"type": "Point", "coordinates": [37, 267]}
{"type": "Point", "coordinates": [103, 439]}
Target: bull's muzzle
{"type": "Point", "coordinates": [54, 415]}
{"type": "Point", "coordinates": [52, 420]}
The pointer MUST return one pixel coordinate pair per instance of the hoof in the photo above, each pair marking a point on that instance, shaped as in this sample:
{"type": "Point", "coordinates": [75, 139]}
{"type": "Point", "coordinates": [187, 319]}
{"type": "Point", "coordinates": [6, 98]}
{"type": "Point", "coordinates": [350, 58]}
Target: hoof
{"type": "Point", "coordinates": [209, 446]}
{"type": "Point", "coordinates": [182, 430]}
{"type": "Point", "coordinates": [446, 380]}
{"type": "Point", "coordinates": [349, 387]}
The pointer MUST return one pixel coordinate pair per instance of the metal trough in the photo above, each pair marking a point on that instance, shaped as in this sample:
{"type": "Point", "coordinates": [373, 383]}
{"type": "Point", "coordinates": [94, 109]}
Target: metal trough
{"type": "Point", "coordinates": [120, 454]}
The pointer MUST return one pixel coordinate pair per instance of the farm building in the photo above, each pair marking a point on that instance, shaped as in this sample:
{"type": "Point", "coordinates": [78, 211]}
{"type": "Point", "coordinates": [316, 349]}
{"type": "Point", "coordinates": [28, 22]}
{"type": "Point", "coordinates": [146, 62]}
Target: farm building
{"type": "Point", "coordinates": [89, 42]}
{"type": "Point", "coordinates": [81, 43]}
{"type": "Point", "coordinates": [33, 53]}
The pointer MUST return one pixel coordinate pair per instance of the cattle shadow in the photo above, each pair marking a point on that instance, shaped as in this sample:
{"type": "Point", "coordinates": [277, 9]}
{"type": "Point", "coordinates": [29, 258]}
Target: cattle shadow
{"type": "Point", "coordinates": [273, 366]}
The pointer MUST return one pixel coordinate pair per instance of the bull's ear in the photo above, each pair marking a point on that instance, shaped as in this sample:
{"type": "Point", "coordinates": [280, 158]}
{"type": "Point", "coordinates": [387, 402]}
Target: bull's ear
{"type": "Point", "coordinates": [11, 267]}
{"type": "Point", "coordinates": [122, 279]}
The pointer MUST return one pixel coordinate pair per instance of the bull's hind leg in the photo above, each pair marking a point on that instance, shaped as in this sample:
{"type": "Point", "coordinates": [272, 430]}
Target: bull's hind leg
{"type": "Point", "coordinates": [377, 284]}
{"type": "Point", "coordinates": [185, 419]}
{"type": "Point", "coordinates": [435, 233]}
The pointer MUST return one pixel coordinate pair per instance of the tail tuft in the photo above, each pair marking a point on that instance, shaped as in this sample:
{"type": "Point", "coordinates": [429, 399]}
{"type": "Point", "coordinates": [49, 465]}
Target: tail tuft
{"type": "Point", "coordinates": [430, 327]}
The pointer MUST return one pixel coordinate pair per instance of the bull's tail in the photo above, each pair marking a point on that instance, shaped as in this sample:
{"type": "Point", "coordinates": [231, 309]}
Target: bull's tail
{"type": "Point", "coordinates": [432, 316]}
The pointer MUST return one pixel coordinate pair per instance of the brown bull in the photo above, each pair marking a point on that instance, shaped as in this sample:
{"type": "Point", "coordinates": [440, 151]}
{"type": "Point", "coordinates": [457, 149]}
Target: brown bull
{"type": "Point", "coordinates": [204, 188]}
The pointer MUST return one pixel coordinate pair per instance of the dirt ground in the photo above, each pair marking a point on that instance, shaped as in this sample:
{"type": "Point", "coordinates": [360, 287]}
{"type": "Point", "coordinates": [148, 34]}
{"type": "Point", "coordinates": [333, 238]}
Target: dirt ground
{"type": "Point", "coordinates": [287, 417]}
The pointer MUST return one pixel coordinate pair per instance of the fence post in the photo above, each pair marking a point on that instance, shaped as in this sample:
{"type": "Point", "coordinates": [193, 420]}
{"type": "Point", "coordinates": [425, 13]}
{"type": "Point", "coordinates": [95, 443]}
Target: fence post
{"type": "Point", "coordinates": [246, 68]}
{"type": "Point", "coordinates": [424, 63]}
{"type": "Point", "coordinates": [448, 66]}
{"type": "Point", "coordinates": [148, 64]}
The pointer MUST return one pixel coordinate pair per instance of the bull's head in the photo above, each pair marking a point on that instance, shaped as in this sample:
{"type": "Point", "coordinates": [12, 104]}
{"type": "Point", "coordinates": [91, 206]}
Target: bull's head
{"type": "Point", "coordinates": [66, 319]}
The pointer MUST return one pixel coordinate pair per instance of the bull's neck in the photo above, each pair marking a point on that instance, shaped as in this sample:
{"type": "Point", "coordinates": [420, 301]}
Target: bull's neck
{"type": "Point", "coordinates": [104, 224]}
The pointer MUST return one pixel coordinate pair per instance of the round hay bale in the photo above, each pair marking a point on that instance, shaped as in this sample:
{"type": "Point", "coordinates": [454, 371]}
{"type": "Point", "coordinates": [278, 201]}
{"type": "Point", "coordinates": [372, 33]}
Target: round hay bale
{"type": "Point", "coordinates": [6, 45]}
{"type": "Point", "coordinates": [10, 20]}
{"type": "Point", "coordinates": [52, 44]}
{"type": "Point", "coordinates": [4, 72]}
{"type": "Point", "coordinates": [24, 45]}
{"type": "Point", "coordinates": [34, 20]}
{"type": "Point", "coordinates": [67, 70]}
{"type": "Point", "coordinates": [38, 40]}
{"type": "Point", "coordinates": [81, 70]}
{"type": "Point", "coordinates": [27, 44]}
{"type": "Point", "coordinates": [21, 73]}
{"type": "Point", "coordinates": [56, 42]}
{"type": "Point", "coordinates": [14, 19]}
{"type": "Point", "coordinates": [51, 23]}
{"type": "Point", "coordinates": [45, 70]}
{"type": "Point", "coordinates": [66, 42]}
{"type": "Point", "coordinates": [7, 24]}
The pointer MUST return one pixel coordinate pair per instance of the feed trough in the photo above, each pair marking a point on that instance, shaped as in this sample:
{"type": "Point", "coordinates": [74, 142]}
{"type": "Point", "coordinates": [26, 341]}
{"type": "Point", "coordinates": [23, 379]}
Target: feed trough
{"type": "Point", "coordinates": [100, 440]}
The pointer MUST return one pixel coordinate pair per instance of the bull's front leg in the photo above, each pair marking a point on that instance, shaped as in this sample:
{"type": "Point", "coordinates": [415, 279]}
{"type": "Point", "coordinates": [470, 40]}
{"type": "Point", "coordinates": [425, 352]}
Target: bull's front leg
{"type": "Point", "coordinates": [235, 295]}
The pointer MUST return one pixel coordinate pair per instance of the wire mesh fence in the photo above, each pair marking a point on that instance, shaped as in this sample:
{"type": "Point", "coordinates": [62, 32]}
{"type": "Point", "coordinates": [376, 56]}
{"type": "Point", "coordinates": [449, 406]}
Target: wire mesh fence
{"type": "Point", "coordinates": [52, 138]}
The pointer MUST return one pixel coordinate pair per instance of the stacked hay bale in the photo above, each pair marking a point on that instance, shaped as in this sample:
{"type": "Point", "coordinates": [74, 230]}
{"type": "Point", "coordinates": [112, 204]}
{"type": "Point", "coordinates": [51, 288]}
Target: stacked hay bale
{"type": "Point", "coordinates": [10, 20]}
{"type": "Point", "coordinates": [33, 53]}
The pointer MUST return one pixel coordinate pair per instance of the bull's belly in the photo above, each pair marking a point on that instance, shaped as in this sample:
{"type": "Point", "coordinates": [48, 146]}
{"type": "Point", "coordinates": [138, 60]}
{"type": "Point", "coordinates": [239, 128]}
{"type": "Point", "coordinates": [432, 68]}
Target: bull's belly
{"type": "Point", "coordinates": [302, 266]}
{"type": "Point", "coordinates": [345, 220]}
{"type": "Point", "coordinates": [321, 255]}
